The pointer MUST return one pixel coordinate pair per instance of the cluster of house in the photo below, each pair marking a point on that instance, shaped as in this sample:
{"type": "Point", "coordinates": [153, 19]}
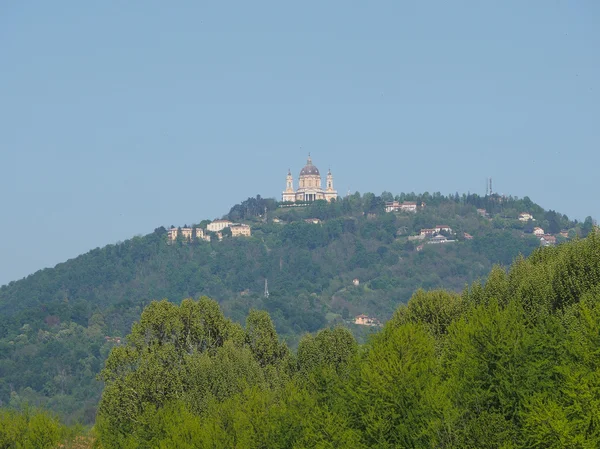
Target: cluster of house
{"type": "Point", "coordinates": [217, 226]}
{"type": "Point", "coordinates": [548, 239]}
{"type": "Point", "coordinates": [434, 236]}
{"type": "Point", "coordinates": [545, 239]}
{"type": "Point", "coordinates": [365, 320]}
{"type": "Point", "coordinates": [187, 234]}
{"type": "Point", "coordinates": [406, 206]}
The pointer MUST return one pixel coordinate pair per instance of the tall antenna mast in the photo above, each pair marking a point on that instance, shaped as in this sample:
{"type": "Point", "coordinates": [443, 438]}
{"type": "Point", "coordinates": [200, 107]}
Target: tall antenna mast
{"type": "Point", "coordinates": [490, 186]}
{"type": "Point", "coordinates": [266, 288]}
{"type": "Point", "coordinates": [486, 186]}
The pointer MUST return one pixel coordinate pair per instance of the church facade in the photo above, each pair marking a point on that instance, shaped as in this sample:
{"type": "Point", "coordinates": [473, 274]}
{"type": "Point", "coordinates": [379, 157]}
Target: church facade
{"type": "Point", "coordinates": [309, 185]}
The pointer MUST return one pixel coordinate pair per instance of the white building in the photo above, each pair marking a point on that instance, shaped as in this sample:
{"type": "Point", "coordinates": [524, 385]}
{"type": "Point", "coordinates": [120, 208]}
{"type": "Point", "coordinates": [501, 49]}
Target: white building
{"type": "Point", "coordinates": [218, 225]}
{"type": "Point", "coordinates": [409, 206]}
{"type": "Point", "coordinates": [406, 206]}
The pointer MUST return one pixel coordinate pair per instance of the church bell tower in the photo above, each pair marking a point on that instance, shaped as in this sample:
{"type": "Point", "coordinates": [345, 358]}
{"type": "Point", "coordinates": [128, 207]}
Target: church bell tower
{"type": "Point", "coordinates": [289, 194]}
{"type": "Point", "coordinates": [330, 193]}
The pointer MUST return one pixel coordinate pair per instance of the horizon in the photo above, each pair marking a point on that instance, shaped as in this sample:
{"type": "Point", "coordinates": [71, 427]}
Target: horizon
{"type": "Point", "coordinates": [118, 118]}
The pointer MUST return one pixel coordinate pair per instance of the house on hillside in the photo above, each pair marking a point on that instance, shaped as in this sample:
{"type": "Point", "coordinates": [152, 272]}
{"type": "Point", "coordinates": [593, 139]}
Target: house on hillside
{"type": "Point", "coordinates": [218, 225]}
{"type": "Point", "coordinates": [396, 206]}
{"type": "Point", "coordinates": [467, 236]}
{"type": "Point", "coordinates": [186, 233]}
{"type": "Point", "coordinates": [172, 234]}
{"type": "Point", "coordinates": [547, 240]}
{"type": "Point", "coordinates": [355, 282]}
{"type": "Point", "coordinates": [525, 216]}
{"type": "Point", "coordinates": [409, 206]}
{"type": "Point", "coordinates": [427, 233]}
{"type": "Point", "coordinates": [564, 233]}
{"type": "Point", "coordinates": [482, 212]}
{"type": "Point", "coordinates": [392, 206]}
{"type": "Point", "coordinates": [312, 221]}
{"type": "Point", "coordinates": [445, 228]}
{"type": "Point", "coordinates": [365, 320]}
{"type": "Point", "coordinates": [109, 339]}
{"type": "Point", "coordinates": [537, 231]}
{"type": "Point", "coordinates": [440, 239]}
{"type": "Point", "coordinates": [200, 235]}
{"type": "Point", "coordinates": [240, 230]}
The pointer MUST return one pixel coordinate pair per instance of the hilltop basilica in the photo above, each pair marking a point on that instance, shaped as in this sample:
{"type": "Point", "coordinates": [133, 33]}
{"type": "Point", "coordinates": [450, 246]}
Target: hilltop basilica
{"type": "Point", "coordinates": [309, 187]}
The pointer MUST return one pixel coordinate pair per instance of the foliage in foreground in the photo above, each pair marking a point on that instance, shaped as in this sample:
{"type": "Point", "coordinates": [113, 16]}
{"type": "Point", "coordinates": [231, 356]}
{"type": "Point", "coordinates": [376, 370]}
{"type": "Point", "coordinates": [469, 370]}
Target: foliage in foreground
{"type": "Point", "coordinates": [37, 429]}
{"type": "Point", "coordinates": [512, 362]}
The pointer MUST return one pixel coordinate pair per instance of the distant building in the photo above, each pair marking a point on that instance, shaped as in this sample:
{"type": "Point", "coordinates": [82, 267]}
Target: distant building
{"type": "Point", "coordinates": [538, 231]}
{"type": "Point", "coordinates": [309, 187]}
{"type": "Point", "coordinates": [201, 235]}
{"type": "Point", "coordinates": [109, 339]}
{"type": "Point", "coordinates": [186, 233]}
{"type": "Point", "coordinates": [420, 248]}
{"type": "Point", "coordinates": [427, 233]}
{"type": "Point", "coordinates": [468, 236]}
{"type": "Point", "coordinates": [564, 233]}
{"type": "Point", "coordinates": [240, 230]}
{"type": "Point", "coordinates": [218, 225]}
{"type": "Point", "coordinates": [482, 212]}
{"type": "Point", "coordinates": [365, 320]}
{"type": "Point", "coordinates": [409, 206]}
{"type": "Point", "coordinates": [392, 206]}
{"type": "Point", "coordinates": [312, 221]}
{"type": "Point", "coordinates": [525, 216]}
{"type": "Point", "coordinates": [396, 206]}
{"type": "Point", "coordinates": [355, 282]}
{"type": "Point", "coordinates": [445, 228]}
{"type": "Point", "coordinates": [172, 234]}
{"type": "Point", "coordinates": [548, 240]}
{"type": "Point", "coordinates": [440, 239]}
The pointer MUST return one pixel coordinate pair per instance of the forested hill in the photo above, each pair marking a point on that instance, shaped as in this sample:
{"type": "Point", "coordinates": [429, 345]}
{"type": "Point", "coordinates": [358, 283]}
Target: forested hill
{"type": "Point", "coordinates": [57, 325]}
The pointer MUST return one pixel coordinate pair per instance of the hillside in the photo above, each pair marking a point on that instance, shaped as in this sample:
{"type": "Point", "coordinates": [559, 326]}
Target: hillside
{"type": "Point", "coordinates": [58, 325]}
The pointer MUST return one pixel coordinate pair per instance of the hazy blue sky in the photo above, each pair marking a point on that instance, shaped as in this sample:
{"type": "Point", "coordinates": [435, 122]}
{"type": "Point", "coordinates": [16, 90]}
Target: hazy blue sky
{"type": "Point", "coordinates": [118, 117]}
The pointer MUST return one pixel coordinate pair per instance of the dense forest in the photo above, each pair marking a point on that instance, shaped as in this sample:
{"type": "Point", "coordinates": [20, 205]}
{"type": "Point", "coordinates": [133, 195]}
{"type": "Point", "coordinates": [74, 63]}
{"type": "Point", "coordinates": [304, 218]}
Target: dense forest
{"type": "Point", "coordinates": [58, 325]}
{"type": "Point", "coordinates": [511, 362]}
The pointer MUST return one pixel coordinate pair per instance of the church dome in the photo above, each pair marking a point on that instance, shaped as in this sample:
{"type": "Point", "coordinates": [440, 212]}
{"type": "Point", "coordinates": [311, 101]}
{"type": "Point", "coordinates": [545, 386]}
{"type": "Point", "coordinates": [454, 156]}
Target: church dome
{"type": "Point", "coordinates": [309, 169]}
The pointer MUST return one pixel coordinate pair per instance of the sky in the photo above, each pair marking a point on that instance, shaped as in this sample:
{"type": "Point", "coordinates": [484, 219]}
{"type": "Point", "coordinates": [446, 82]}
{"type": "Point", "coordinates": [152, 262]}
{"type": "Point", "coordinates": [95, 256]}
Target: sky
{"type": "Point", "coordinates": [120, 117]}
